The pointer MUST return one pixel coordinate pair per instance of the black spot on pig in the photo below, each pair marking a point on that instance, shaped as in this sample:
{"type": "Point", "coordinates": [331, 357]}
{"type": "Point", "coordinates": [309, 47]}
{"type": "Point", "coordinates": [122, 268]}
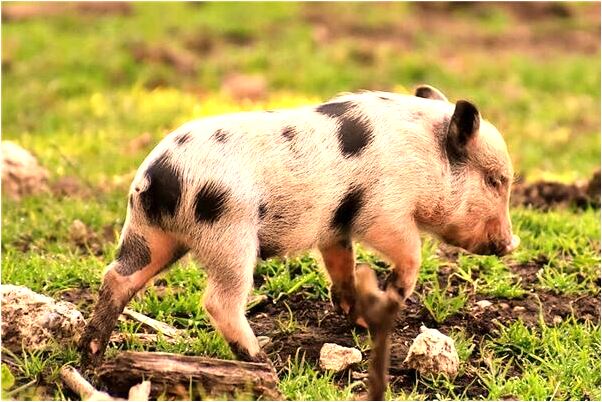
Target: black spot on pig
{"type": "Point", "coordinates": [348, 209]}
{"type": "Point", "coordinates": [210, 202]}
{"type": "Point", "coordinates": [183, 138]}
{"type": "Point", "coordinates": [354, 133]}
{"type": "Point", "coordinates": [162, 196]}
{"type": "Point", "coordinates": [263, 210]}
{"type": "Point", "coordinates": [289, 133]}
{"type": "Point", "coordinates": [221, 135]}
{"type": "Point", "coordinates": [268, 250]}
{"type": "Point", "coordinates": [133, 255]}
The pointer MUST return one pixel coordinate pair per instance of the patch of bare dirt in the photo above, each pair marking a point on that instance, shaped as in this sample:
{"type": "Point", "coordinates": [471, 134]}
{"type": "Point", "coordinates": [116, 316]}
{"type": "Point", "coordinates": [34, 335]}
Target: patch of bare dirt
{"type": "Point", "coordinates": [70, 186]}
{"type": "Point", "coordinates": [242, 87]}
{"type": "Point", "coordinates": [181, 60]}
{"type": "Point", "coordinates": [546, 195]}
{"type": "Point", "coordinates": [318, 323]}
{"type": "Point", "coordinates": [532, 28]}
{"type": "Point", "coordinates": [83, 298]}
{"type": "Point", "coordinates": [22, 12]}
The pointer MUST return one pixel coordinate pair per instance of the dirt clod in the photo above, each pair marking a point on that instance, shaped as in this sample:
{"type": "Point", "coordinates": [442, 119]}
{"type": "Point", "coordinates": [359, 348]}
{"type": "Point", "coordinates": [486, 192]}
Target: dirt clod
{"type": "Point", "coordinates": [181, 60]}
{"type": "Point", "coordinates": [242, 87]}
{"type": "Point", "coordinates": [545, 194]}
{"type": "Point", "coordinates": [78, 232]}
{"type": "Point", "coordinates": [85, 238]}
{"type": "Point", "coordinates": [433, 353]}
{"type": "Point", "coordinates": [21, 173]}
{"type": "Point", "coordinates": [32, 321]}
{"type": "Point", "coordinates": [337, 358]}
{"type": "Point", "coordinates": [22, 12]}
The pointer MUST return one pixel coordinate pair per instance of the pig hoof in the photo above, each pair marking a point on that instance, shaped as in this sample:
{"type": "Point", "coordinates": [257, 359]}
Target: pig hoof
{"type": "Point", "coordinates": [90, 351]}
{"type": "Point", "coordinates": [391, 282]}
{"type": "Point", "coordinates": [343, 301]}
{"type": "Point", "coordinates": [356, 319]}
{"type": "Point", "coordinates": [260, 357]}
{"type": "Point", "coordinates": [243, 355]}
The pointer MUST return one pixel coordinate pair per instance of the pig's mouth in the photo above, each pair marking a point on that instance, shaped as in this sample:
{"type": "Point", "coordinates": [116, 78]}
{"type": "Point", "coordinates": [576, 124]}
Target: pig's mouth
{"type": "Point", "coordinates": [497, 247]}
{"type": "Point", "coordinates": [493, 245]}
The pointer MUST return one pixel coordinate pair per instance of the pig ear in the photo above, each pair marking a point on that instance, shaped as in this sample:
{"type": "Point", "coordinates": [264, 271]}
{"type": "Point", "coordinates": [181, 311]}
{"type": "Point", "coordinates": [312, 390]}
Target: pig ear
{"type": "Point", "coordinates": [429, 92]}
{"type": "Point", "coordinates": [463, 126]}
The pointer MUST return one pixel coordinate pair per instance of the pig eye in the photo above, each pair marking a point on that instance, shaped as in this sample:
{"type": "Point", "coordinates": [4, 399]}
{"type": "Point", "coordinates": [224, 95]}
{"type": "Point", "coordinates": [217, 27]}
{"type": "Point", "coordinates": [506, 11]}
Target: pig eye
{"type": "Point", "coordinates": [494, 182]}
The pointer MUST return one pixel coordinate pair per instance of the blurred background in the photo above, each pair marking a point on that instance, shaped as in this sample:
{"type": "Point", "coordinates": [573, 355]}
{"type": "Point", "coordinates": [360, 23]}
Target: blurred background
{"type": "Point", "coordinates": [82, 80]}
{"type": "Point", "coordinates": [90, 88]}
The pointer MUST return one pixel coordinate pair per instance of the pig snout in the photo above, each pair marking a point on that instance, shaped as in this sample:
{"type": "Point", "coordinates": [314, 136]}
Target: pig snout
{"type": "Point", "coordinates": [499, 248]}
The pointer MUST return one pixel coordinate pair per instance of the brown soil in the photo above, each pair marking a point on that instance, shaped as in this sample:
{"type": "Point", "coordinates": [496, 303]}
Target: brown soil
{"type": "Point", "coordinates": [181, 60]}
{"type": "Point", "coordinates": [531, 27]}
{"type": "Point", "coordinates": [545, 195]}
{"type": "Point", "coordinates": [318, 323]}
{"type": "Point", "coordinates": [21, 12]}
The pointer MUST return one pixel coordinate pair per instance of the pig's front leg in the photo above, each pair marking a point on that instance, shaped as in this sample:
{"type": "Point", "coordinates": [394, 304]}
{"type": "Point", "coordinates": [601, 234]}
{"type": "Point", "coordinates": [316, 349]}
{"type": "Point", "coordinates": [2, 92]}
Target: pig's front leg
{"type": "Point", "coordinates": [340, 264]}
{"type": "Point", "coordinates": [403, 248]}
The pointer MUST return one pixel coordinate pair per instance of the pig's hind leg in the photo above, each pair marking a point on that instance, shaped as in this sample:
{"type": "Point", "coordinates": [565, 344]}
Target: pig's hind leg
{"type": "Point", "coordinates": [230, 280]}
{"type": "Point", "coordinates": [143, 252]}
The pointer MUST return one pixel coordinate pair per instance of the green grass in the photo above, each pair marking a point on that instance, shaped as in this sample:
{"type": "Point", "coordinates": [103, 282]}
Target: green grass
{"type": "Point", "coordinates": [441, 304]}
{"type": "Point", "coordinates": [301, 381]}
{"type": "Point", "coordinates": [75, 95]}
{"type": "Point", "coordinates": [559, 363]}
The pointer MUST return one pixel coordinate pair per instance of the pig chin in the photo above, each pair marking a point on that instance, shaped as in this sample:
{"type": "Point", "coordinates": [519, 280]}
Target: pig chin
{"type": "Point", "coordinates": [489, 247]}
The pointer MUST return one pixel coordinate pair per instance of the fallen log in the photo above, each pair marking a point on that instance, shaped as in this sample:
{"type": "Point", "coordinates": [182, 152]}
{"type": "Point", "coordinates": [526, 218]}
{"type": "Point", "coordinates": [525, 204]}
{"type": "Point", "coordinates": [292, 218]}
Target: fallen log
{"type": "Point", "coordinates": [188, 377]}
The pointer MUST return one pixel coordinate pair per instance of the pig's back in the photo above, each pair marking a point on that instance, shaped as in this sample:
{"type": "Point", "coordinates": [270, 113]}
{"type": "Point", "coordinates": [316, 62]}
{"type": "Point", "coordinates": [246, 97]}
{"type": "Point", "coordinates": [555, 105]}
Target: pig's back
{"type": "Point", "coordinates": [295, 169]}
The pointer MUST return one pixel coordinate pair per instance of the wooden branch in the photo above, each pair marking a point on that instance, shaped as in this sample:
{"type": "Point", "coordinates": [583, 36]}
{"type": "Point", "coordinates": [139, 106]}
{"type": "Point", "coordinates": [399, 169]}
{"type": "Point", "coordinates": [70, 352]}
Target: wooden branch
{"type": "Point", "coordinates": [158, 326]}
{"type": "Point", "coordinates": [78, 384]}
{"type": "Point", "coordinates": [189, 377]}
{"type": "Point", "coordinates": [144, 339]}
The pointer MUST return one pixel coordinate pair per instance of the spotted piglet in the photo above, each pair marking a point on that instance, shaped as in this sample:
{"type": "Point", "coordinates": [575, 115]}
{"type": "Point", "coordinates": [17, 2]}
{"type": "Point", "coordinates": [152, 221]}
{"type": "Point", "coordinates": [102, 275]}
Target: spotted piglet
{"type": "Point", "coordinates": [372, 167]}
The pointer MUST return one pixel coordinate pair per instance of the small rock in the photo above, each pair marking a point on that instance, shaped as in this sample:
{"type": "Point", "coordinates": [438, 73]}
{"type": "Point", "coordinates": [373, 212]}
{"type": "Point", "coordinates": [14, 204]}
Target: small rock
{"type": "Point", "coordinates": [78, 232]}
{"type": "Point", "coordinates": [263, 341]}
{"type": "Point", "coordinates": [21, 173]}
{"type": "Point", "coordinates": [433, 353]}
{"type": "Point", "coordinates": [483, 304]}
{"type": "Point", "coordinates": [519, 309]}
{"type": "Point", "coordinates": [337, 358]}
{"type": "Point", "coordinates": [32, 321]}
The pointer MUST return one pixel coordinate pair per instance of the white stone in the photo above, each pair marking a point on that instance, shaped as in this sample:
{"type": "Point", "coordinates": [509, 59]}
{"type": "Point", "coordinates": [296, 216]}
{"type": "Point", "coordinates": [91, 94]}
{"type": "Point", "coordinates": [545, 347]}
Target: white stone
{"type": "Point", "coordinates": [32, 321]}
{"type": "Point", "coordinates": [337, 358]}
{"type": "Point", "coordinates": [483, 304]}
{"type": "Point", "coordinates": [433, 353]}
